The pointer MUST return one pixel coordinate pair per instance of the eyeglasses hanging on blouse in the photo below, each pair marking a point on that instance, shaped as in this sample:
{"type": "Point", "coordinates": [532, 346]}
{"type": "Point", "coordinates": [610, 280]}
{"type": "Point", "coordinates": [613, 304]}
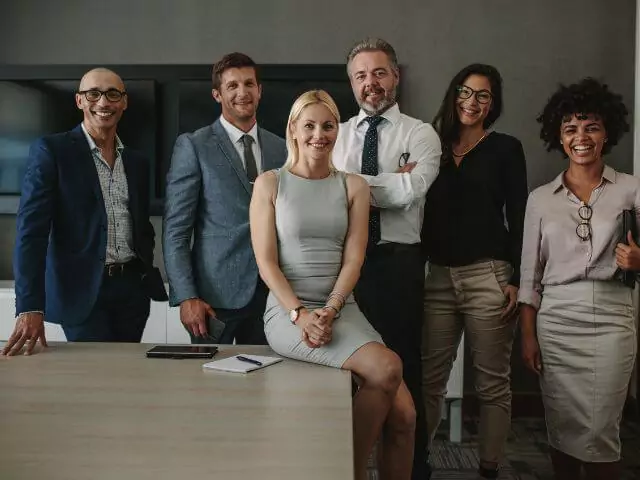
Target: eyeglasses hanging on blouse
{"type": "Point", "coordinates": [583, 230]}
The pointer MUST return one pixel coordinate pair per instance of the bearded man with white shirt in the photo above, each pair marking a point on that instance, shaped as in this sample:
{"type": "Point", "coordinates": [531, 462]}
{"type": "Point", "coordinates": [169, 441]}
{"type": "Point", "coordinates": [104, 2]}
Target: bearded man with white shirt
{"type": "Point", "coordinates": [209, 185]}
{"type": "Point", "coordinates": [399, 156]}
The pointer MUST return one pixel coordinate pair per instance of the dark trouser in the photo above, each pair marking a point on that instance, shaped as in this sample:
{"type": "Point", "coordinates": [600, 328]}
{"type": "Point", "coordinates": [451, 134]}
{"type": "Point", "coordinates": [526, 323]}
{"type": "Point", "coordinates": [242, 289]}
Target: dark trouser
{"type": "Point", "coordinates": [389, 293]}
{"type": "Point", "coordinates": [120, 312]}
{"type": "Point", "coordinates": [245, 325]}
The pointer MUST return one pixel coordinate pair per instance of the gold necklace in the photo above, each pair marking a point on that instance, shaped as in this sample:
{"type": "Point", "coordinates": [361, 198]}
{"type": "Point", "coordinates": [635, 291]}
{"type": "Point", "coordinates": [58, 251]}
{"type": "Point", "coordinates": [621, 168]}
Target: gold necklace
{"type": "Point", "coordinates": [470, 148]}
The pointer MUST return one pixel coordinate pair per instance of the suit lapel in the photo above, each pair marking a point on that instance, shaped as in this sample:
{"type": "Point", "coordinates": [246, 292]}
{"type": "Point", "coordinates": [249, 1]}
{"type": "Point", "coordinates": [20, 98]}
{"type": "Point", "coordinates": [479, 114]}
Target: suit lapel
{"type": "Point", "coordinates": [269, 157]}
{"type": "Point", "coordinates": [224, 143]}
{"type": "Point", "coordinates": [86, 164]}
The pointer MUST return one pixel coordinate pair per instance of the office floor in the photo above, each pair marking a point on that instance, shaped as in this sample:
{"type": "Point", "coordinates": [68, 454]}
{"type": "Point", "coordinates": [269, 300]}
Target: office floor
{"type": "Point", "coordinates": [526, 453]}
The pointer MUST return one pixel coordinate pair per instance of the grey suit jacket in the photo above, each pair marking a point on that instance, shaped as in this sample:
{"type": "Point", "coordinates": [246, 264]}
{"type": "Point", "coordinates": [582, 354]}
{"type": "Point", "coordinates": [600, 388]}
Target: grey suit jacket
{"type": "Point", "coordinates": [207, 199]}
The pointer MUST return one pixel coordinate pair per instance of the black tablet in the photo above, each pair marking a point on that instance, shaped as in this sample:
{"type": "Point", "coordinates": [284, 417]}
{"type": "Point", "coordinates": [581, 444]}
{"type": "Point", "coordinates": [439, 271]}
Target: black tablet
{"type": "Point", "coordinates": [182, 351]}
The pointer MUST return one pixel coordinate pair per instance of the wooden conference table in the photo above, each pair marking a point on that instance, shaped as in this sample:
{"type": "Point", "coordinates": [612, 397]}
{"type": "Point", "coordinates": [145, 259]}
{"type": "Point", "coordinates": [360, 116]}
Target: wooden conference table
{"type": "Point", "coordinates": [105, 411]}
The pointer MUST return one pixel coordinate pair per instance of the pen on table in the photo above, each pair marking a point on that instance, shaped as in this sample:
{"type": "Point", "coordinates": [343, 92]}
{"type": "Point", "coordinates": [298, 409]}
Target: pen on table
{"type": "Point", "coordinates": [248, 360]}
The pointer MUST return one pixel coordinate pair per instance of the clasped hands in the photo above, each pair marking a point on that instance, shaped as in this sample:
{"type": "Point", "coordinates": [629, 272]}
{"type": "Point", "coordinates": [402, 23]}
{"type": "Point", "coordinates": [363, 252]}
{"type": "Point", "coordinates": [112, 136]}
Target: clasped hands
{"type": "Point", "coordinates": [316, 326]}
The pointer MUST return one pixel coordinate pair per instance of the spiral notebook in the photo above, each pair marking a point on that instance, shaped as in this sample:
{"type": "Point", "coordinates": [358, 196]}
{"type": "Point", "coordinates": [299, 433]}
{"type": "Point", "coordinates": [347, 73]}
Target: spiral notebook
{"type": "Point", "coordinates": [235, 364]}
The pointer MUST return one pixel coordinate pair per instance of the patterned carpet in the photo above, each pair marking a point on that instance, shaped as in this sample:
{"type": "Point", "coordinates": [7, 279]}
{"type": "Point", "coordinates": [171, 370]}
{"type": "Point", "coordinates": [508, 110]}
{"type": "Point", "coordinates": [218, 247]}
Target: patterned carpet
{"type": "Point", "coordinates": [526, 453]}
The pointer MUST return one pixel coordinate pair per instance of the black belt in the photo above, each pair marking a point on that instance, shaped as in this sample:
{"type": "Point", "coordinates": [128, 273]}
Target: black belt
{"type": "Point", "coordinates": [390, 248]}
{"type": "Point", "coordinates": [120, 269]}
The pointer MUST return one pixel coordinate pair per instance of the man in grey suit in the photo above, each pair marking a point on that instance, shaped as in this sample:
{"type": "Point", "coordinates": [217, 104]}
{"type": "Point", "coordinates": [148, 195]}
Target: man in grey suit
{"type": "Point", "coordinates": [215, 280]}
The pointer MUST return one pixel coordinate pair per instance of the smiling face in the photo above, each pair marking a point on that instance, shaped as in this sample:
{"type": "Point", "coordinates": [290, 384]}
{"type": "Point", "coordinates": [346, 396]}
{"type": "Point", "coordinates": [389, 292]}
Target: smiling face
{"type": "Point", "coordinates": [239, 94]}
{"type": "Point", "coordinates": [315, 132]}
{"type": "Point", "coordinates": [374, 81]}
{"type": "Point", "coordinates": [474, 100]}
{"type": "Point", "coordinates": [102, 114]}
{"type": "Point", "coordinates": [582, 137]}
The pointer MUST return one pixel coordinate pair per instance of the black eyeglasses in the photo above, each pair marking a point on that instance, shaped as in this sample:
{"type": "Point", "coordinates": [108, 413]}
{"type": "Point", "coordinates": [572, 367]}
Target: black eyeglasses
{"type": "Point", "coordinates": [583, 230]}
{"type": "Point", "coordinates": [483, 96]}
{"type": "Point", "coordinates": [94, 95]}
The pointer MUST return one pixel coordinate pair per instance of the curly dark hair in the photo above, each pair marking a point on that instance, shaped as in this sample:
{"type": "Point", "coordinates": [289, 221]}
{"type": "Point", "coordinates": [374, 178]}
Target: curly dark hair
{"type": "Point", "coordinates": [589, 96]}
{"type": "Point", "coordinates": [446, 121]}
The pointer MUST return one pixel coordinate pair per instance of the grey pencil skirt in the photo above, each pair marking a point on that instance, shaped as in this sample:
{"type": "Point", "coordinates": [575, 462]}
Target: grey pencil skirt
{"type": "Point", "coordinates": [587, 338]}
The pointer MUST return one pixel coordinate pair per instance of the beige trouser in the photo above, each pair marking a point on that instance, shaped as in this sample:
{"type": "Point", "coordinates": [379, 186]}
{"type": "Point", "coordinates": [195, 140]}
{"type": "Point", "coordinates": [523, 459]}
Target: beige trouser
{"type": "Point", "coordinates": [469, 298]}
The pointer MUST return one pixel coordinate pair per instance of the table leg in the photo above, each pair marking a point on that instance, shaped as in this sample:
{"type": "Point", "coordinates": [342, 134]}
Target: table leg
{"type": "Point", "coordinates": [455, 421]}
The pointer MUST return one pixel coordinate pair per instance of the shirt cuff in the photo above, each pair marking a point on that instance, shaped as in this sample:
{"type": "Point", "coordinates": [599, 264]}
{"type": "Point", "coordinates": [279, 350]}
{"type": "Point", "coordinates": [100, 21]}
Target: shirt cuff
{"type": "Point", "coordinates": [21, 314]}
{"type": "Point", "coordinates": [177, 303]}
{"type": "Point", "coordinates": [529, 297]}
{"type": "Point", "coordinates": [179, 294]}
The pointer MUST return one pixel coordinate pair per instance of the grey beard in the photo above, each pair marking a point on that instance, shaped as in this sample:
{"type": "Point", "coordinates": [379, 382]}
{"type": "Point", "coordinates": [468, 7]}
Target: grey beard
{"type": "Point", "coordinates": [382, 107]}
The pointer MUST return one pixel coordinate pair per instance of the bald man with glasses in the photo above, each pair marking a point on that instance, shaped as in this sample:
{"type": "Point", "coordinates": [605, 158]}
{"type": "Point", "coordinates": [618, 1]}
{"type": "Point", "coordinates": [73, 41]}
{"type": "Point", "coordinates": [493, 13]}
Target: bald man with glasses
{"type": "Point", "coordinates": [83, 255]}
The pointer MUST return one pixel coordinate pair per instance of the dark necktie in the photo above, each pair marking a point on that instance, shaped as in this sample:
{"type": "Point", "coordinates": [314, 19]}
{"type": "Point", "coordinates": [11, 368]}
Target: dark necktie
{"type": "Point", "coordinates": [249, 159]}
{"type": "Point", "coordinates": [370, 167]}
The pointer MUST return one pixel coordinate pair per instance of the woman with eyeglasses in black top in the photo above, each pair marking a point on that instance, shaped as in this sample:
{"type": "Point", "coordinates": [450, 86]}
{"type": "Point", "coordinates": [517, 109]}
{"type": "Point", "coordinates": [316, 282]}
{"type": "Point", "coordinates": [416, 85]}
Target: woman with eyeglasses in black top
{"type": "Point", "coordinates": [472, 238]}
{"type": "Point", "coordinates": [578, 331]}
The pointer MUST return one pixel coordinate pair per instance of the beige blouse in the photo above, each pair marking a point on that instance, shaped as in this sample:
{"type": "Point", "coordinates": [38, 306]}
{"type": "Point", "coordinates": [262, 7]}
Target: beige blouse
{"type": "Point", "coordinates": [552, 252]}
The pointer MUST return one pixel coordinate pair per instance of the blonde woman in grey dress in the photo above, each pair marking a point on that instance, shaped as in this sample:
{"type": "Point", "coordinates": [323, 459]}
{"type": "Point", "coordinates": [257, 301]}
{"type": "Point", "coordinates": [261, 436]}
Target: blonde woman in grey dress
{"type": "Point", "coordinates": [578, 331]}
{"type": "Point", "coordinates": [309, 226]}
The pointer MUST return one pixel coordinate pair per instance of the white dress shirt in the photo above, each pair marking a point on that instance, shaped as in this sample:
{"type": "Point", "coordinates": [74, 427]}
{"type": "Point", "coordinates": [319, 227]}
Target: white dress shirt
{"type": "Point", "coordinates": [400, 196]}
{"type": "Point", "coordinates": [235, 135]}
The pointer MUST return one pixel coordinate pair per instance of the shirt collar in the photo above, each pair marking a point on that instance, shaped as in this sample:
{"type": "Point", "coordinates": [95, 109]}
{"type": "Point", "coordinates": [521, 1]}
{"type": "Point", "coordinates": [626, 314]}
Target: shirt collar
{"type": "Point", "coordinates": [392, 114]}
{"type": "Point", "coordinates": [235, 134]}
{"type": "Point", "coordinates": [608, 174]}
{"type": "Point", "coordinates": [92, 143]}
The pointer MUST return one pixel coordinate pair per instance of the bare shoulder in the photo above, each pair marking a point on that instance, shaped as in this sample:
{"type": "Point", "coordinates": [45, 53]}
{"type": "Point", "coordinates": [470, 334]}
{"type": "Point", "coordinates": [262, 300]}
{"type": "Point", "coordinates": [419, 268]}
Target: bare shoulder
{"type": "Point", "coordinates": [356, 185]}
{"type": "Point", "coordinates": [266, 186]}
{"type": "Point", "coordinates": [266, 181]}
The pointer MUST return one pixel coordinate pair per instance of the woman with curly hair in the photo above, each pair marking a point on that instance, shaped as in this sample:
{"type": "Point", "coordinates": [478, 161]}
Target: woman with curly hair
{"type": "Point", "coordinates": [578, 332]}
{"type": "Point", "coordinates": [474, 216]}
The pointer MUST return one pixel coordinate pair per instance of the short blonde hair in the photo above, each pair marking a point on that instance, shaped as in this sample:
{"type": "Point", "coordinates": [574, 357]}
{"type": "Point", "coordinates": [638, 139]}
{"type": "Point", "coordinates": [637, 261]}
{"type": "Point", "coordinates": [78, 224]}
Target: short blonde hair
{"type": "Point", "coordinates": [312, 97]}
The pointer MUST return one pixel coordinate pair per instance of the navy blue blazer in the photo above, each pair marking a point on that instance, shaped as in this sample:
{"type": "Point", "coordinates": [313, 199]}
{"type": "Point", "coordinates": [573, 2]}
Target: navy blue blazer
{"type": "Point", "coordinates": [61, 239]}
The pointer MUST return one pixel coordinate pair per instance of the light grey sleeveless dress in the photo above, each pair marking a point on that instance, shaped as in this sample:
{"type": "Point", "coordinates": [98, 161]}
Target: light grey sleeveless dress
{"type": "Point", "coordinates": [311, 224]}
